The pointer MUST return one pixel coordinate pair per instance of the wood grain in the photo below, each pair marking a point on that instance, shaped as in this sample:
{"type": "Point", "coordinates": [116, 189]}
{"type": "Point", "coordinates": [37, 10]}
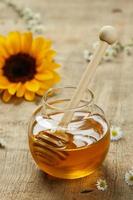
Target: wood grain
{"type": "Point", "coordinates": [73, 26]}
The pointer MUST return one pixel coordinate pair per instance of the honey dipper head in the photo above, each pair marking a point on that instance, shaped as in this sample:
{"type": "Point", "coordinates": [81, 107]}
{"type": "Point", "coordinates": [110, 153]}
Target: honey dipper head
{"type": "Point", "coordinates": [108, 34]}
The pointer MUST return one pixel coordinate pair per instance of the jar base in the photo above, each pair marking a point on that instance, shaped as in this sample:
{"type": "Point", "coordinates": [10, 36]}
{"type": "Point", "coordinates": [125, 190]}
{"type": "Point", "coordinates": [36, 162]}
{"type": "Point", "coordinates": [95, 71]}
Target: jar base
{"type": "Point", "coordinates": [70, 175]}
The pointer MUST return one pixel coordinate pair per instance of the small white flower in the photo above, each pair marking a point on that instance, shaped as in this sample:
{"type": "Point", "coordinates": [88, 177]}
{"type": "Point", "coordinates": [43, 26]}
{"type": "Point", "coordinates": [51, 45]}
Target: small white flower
{"type": "Point", "coordinates": [39, 29]}
{"type": "Point", "coordinates": [37, 17]}
{"type": "Point", "coordinates": [101, 184]}
{"type": "Point", "coordinates": [87, 55]}
{"type": "Point", "coordinates": [32, 23]}
{"type": "Point", "coordinates": [95, 45]}
{"type": "Point", "coordinates": [2, 143]}
{"type": "Point", "coordinates": [129, 177]}
{"type": "Point", "coordinates": [107, 58]}
{"type": "Point", "coordinates": [27, 13]}
{"type": "Point", "coordinates": [118, 47]}
{"type": "Point", "coordinates": [27, 17]}
{"type": "Point", "coordinates": [116, 133]}
{"type": "Point", "coordinates": [111, 52]}
{"type": "Point", "coordinates": [128, 50]}
{"type": "Point", "coordinates": [30, 16]}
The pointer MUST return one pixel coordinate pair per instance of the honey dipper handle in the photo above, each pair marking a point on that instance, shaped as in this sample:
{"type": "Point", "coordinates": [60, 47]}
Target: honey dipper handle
{"type": "Point", "coordinates": [107, 36]}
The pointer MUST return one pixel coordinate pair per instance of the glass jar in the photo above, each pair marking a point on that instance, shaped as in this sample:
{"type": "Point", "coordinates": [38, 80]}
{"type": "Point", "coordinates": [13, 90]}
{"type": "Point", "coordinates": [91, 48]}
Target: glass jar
{"type": "Point", "coordinates": [73, 151]}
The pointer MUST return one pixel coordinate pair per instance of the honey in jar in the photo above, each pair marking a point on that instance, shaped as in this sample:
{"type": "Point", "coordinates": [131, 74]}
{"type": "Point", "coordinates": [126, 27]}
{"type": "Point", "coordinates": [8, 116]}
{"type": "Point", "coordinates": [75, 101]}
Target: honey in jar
{"type": "Point", "coordinates": [76, 150]}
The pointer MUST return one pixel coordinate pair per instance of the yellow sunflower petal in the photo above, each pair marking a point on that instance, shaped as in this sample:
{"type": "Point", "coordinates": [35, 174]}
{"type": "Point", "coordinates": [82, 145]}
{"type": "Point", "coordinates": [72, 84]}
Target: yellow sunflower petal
{"type": "Point", "coordinates": [6, 96]}
{"type": "Point", "coordinates": [48, 44]}
{"type": "Point", "coordinates": [32, 85]}
{"type": "Point", "coordinates": [13, 88]}
{"type": "Point", "coordinates": [1, 72]}
{"type": "Point", "coordinates": [46, 84]}
{"type": "Point", "coordinates": [56, 77]}
{"type": "Point", "coordinates": [13, 43]}
{"type": "Point", "coordinates": [39, 44]}
{"type": "Point", "coordinates": [49, 83]}
{"type": "Point", "coordinates": [54, 65]}
{"type": "Point", "coordinates": [3, 51]}
{"type": "Point", "coordinates": [21, 90]}
{"type": "Point", "coordinates": [2, 39]}
{"type": "Point", "coordinates": [41, 67]}
{"type": "Point", "coordinates": [45, 64]}
{"type": "Point", "coordinates": [50, 53]}
{"type": "Point", "coordinates": [26, 42]}
{"type": "Point", "coordinates": [45, 76]}
{"type": "Point", "coordinates": [4, 83]}
{"type": "Point", "coordinates": [41, 92]}
{"type": "Point", "coordinates": [29, 95]}
{"type": "Point", "coordinates": [2, 62]}
{"type": "Point", "coordinates": [47, 54]}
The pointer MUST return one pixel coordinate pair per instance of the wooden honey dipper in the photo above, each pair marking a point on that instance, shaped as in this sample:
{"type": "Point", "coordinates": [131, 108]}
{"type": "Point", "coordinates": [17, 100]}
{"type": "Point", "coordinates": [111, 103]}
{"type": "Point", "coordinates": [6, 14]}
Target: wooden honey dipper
{"type": "Point", "coordinates": [47, 146]}
{"type": "Point", "coordinates": [107, 36]}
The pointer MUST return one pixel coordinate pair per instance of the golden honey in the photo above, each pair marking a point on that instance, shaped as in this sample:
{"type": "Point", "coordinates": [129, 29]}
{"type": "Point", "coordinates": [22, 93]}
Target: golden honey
{"type": "Point", "coordinates": [71, 153]}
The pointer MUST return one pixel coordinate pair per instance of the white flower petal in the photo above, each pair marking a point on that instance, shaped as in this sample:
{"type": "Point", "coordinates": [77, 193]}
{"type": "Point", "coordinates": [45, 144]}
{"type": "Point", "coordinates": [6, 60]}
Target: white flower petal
{"type": "Point", "coordinates": [129, 177]}
{"type": "Point", "coordinates": [37, 16]}
{"type": "Point", "coordinates": [118, 133]}
{"type": "Point", "coordinates": [2, 143]}
{"type": "Point", "coordinates": [32, 22]}
{"type": "Point", "coordinates": [27, 11]}
{"type": "Point", "coordinates": [128, 50]}
{"type": "Point", "coordinates": [101, 184]}
{"type": "Point", "coordinates": [95, 45]}
{"type": "Point", "coordinates": [87, 55]}
{"type": "Point", "coordinates": [39, 29]}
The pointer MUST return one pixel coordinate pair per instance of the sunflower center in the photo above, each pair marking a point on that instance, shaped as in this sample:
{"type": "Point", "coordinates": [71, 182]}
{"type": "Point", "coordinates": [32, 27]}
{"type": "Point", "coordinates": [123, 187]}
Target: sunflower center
{"type": "Point", "coordinates": [20, 68]}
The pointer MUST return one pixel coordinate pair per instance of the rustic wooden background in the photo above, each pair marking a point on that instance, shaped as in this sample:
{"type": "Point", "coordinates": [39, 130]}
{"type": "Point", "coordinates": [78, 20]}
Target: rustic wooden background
{"type": "Point", "coordinates": [73, 26]}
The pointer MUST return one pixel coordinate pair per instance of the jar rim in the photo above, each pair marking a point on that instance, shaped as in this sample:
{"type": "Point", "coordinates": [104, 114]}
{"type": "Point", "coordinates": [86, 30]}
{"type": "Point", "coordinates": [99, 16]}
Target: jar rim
{"type": "Point", "coordinates": [79, 148]}
{"type": "Point", "coordinates": [86, 103]}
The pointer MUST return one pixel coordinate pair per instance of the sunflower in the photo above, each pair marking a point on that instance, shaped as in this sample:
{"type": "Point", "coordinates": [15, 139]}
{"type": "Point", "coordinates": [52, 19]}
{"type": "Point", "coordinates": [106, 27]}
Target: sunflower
{"type": "Point", "coordinates": [27, 66]}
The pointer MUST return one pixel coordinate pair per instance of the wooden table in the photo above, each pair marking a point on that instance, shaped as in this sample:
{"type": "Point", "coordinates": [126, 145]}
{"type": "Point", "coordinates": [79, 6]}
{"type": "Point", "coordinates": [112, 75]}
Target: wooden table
{"type": "Point", "coordinates": [73, 26]}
